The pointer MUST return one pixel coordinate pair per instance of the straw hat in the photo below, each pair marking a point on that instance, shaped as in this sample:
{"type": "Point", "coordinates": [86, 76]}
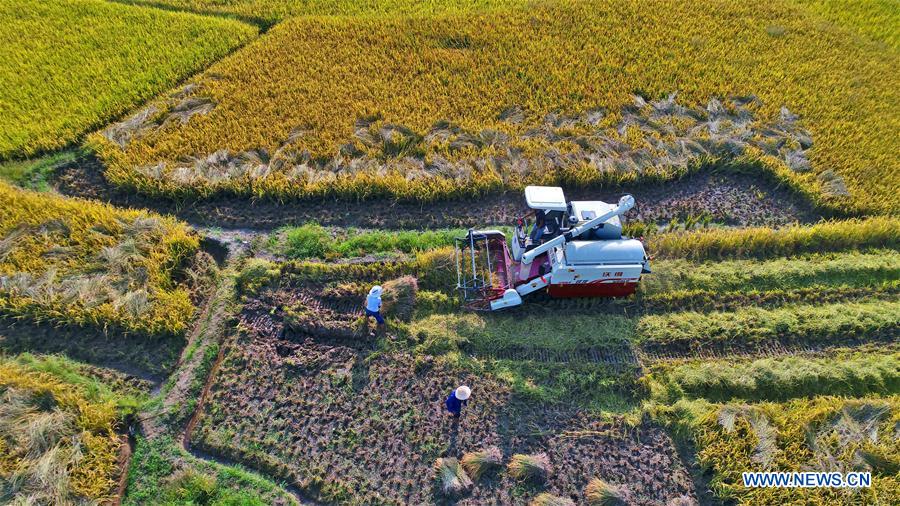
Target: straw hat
{"type": "Point", "coordinates": [462, 393]}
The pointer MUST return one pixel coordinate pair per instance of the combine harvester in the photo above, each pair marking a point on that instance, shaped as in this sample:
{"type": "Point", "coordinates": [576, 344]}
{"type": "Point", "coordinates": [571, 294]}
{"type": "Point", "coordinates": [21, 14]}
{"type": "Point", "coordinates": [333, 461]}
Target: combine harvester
{"type": "Point", "coordinates": [576, 249]}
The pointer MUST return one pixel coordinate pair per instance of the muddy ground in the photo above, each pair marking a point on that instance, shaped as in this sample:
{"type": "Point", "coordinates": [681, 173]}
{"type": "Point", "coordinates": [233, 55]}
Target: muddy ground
{"type": "Point", "coordinates": [343, 423]}
{"type": "Point", "coordinates": [145, 358]}
{"type": "Point", "coordinates": [726, 197]}
{"type": "Point", "coordinates": [371, 429]}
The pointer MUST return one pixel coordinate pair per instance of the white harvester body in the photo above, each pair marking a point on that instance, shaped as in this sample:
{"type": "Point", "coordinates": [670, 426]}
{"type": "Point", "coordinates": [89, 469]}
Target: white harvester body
{"type": "Point", "coordinates": [578, 252]}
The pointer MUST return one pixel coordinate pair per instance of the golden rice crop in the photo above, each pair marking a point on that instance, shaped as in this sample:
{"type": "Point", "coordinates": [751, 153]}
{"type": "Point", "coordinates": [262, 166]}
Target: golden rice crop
{"type": "Point", "coordinates": [72, 261]}
{"type": "Point", "coordinates": [878, 20]}
{"type": "Point", "coordinates": [761, 242]}
{"type": "Point", "coordinates": [68, 67]}
{"type": "Point", "coordinates": [59, 447]}
{"type": "Point", "coordinates": [827, 434]}
{"type": "Point", "coordinates": [291, 113]}
{"type": "Point", "coordinates": [274, 10]}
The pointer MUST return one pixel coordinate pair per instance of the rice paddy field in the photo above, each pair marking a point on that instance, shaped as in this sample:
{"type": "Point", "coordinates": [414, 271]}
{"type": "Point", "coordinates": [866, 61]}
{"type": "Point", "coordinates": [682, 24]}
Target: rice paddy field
{"type": "Point", "coordinates": [196, 197]}
{"type": "Point", "coordinates": [68, 67]}
{"type": "Point", "coordinates": [454, 104]}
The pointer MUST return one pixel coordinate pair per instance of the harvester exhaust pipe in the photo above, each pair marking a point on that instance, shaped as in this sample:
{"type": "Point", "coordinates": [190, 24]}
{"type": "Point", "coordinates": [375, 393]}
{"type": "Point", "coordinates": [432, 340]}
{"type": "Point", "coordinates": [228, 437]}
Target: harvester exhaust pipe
{"type": "Point", "coordinates": [625, 204]}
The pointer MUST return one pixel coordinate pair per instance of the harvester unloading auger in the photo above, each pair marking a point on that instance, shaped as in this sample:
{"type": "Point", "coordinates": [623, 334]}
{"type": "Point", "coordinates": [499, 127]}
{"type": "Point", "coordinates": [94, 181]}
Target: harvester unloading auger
{"type": "Point", "coordinates": [575, 250]}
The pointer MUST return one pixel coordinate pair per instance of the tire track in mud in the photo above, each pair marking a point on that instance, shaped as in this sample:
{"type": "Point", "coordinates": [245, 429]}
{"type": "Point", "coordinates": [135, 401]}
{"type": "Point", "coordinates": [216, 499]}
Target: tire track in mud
{"type": "Point", "coordinates": [618, 358]}
{"type": "Point", "coordinates": [768, 349]}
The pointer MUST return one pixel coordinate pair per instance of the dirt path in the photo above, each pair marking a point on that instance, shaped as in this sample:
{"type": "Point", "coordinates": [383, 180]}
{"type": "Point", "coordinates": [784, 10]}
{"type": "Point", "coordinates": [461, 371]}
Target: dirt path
{"type": "Point", "coordinates": [178, 415]}
{"type": "Point", "coordinates": [726, 197]}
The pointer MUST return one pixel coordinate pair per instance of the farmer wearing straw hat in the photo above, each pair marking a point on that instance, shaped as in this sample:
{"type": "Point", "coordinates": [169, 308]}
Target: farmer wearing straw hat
{"type": "Point", "coordinates": [457, 399]}
{"type": "Point", "coordinates": [373, 305]}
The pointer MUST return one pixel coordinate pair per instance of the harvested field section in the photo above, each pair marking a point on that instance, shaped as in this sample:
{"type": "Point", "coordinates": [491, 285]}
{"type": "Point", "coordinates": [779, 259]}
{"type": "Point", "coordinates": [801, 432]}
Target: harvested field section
{"type": "Point", "coordinates": [455, 105]}
{"type": "Point", "coordinates": [593, 366]}
{"type": "Point", "coordinates": [68, 67]}
{"type": "Point", "coordinates": [329, 420]}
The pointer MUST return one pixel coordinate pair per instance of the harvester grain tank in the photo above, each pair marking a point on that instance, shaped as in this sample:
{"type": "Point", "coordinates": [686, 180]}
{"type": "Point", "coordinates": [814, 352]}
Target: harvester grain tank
{"type": "Point", "coordinates": [575, 249]}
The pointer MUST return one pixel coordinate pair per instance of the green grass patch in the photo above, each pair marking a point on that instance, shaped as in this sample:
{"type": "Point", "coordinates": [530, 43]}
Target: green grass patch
{"type": "Point", "coordinates": [97, 385]}
{"type": "Point", "coordinates": [678, 278]}
{"type": "Point", "coordinates": [530, 354]}
{"type": "Point", "coordinates": [163, 473]}
{"type": "Point", "coordinates": [593, 387]}
{"type": "Point", "coordinates": [35, 173]}
{"type": "Point", "coordinates": [315, 241]}
{"type": "Point", "coordinates": [494, 333]}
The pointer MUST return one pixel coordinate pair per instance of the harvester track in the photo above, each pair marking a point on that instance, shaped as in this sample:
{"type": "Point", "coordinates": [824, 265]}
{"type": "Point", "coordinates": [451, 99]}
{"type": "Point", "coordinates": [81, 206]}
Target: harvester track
{"type": "Point", "coordinates": [620, 358]}
{"type": "Point", "coordinates": [541, 301]}
{"type": "Point", "coordinates": [760, 350]}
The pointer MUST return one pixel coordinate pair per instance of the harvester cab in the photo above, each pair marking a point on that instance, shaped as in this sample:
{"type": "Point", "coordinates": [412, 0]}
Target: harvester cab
{"type": "Point", "coordinates": [571, 249]}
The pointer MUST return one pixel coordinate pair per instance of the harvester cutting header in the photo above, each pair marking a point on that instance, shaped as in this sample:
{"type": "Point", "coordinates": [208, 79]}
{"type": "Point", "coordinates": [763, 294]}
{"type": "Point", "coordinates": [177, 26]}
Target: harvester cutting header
{"type": "Point", "coordinates": [574, 249]}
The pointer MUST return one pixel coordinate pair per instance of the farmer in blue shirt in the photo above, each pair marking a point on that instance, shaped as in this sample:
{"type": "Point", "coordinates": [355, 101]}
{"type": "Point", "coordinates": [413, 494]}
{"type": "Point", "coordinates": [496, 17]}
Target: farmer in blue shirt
{"type": "Point", "coordinates": [457, 399]}
{"type": "Point", "coordinates": [373, 305]}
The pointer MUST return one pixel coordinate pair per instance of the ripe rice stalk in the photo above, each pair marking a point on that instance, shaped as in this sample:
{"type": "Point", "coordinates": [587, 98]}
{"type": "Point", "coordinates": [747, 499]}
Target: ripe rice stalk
{"type": "Point", "coordinates": [8, 242]}
{"type": "Point", "coordinates": [766, 448]}
{"type": "Point", "coordinates": [390, 148]}
{"type": "Point", "coordinates": [399, 297]}
{"type": "Point", "coordinates": [45, 430]}
{"type": "Point", "coordinates": [76, 257]}
{"type": "Point", "coordinates": [142, 51]}
{"type": "Point", "coordinates": [58, 447]}
{"type": "Point", "coordinates": [856, 423]}
{"type": "Point", "coordinates": [547, 499]}
{"type": "Point", "coordinates": [479, 462]}
{"type": "Point", "coordinates": [601, 493]}
{"type": "Point", "coordinates": [451, 476]}
{"type": "Point", "coordinates": [810, 432]}
{"type": "Point", "coordinates": [529, 467]}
